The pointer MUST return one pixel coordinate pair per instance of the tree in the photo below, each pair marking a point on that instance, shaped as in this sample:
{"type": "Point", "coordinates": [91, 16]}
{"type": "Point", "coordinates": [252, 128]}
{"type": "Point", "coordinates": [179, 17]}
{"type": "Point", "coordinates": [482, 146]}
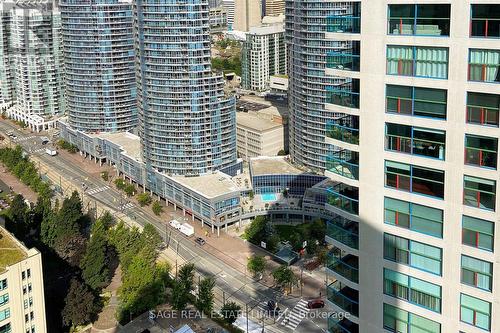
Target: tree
{"type": "Point", "coordinates": [251, 195]}
{"type": "Point", "coordinates": [150, 241]}
{"type": "Point", "coordinates": [254, 233]}
{"type": "Point", "coordinates": [120, 183]}
{"type": "Point", "coordinates": [230, 312]}
{"type": "Point", "coordinates": [129, 190]}
{"type": "Point", "coordinates": [94, 264]}
{"type": "Point", "coordinates": [282, 152]}
{"type": "Point", "coordinates": [157, 208]}
{"type": "Point", "coordinates": [318, 229]}
{"type": "Point", "coordinates": [284, 276]}
{"type": "Point", "coordinates": [180, 297]}
{"type": "Point", "coordinates": [80, 305]}
{"type": "Point", "coordinates": [186, 276]}
{"type": "Point", "coordinates": [19, 223]}
{"type": "Point", "coordinates": [205, 301]}
{"type": "Point", "coordinates": [105, 175]}
{"type": "Point", "coordinates": [71, 247]}
{"type": "Point", "coordinates": [144, 199]}
{"type": "Point", "coordinates": [256, 264]}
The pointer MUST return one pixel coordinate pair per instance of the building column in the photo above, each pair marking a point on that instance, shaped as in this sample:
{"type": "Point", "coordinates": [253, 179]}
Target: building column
{"type": "Point", "coordinates": [212, 228]}
{"type": "Point", "coordinates": [218, 231]}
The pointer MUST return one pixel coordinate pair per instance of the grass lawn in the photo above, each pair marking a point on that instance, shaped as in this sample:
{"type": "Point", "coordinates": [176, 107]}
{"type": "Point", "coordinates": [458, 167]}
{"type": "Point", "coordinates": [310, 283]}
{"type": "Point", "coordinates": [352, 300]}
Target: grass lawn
{"type": "Point", "coordinates": [10, 253]}
{"type": "Point", "coordinates": [285, 231]}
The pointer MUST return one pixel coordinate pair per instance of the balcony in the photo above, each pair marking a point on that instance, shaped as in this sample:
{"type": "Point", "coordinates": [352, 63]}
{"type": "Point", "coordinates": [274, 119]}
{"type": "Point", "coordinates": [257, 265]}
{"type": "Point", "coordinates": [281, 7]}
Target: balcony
{"type": "Point", "coordinates": [415, 141]}
{"type": "Point", "coordinates": [346, 61]}
{"type": "Point", "coordinates": [337, 325]}
{"type": "Point", "coordinates": [344, 162]}
{"type": "Point", "coordinates": [344, 197]}
{"type": "Point", "coordinates": [347, 266]}
{"type": "Point", "coordinates": [344, 129]}
{"type": "Point", "coordinates": [346, 95]}
{"type": "Point", "coordinates": [344, 297]}
{"type": "Point", "coordinates": [344, 231]}
{"type": "Point", "coordinates": [419, 20]}
{"type": "Point", "coordinates": [343, 24]}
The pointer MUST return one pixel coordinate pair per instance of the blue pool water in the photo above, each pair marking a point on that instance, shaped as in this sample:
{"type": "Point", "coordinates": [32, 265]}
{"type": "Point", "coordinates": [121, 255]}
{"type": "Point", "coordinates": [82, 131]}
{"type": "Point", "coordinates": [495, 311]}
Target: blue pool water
{"type": "Point", "coordinates": [268, 197]}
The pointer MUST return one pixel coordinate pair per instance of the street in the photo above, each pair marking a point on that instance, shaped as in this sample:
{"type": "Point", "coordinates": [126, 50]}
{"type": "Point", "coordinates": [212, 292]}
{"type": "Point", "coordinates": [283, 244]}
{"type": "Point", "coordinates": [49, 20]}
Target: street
{"type": "Point", "coordinates": [232, 283]}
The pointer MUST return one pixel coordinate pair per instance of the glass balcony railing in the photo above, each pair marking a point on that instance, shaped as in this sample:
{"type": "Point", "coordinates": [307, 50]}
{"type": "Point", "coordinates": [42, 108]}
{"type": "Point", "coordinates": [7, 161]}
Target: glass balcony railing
{"type": "Point", "coordinates": [344, 197]}
{"type": "Point", "coordinates": [344, 297]}
{"type": "Point", "coordinates": [341, 325]}
{"type": "Point", "coordinates": [343, 97]}
{"type": "Point", "coordinates": [344, 231]}
{"type": "Point", "coordinates": [347, 24]}
{"type": "Point", "coordinates": [344, 162]}
{"type": "Point", "coordinates": [344, 129]}
{"type": "Point", "coordinates": [343, 61]}
{"type": "Point", "coordinates": [347, 266]}
{"type": "Point", "coordinates": [481, 151]}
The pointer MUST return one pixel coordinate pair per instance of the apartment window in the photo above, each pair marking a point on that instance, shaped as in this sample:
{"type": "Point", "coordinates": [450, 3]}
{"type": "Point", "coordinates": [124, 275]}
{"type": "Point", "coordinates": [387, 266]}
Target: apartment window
{"type": "Point", "coordinates": [23, 275]}
{"type": "Point", "coordinates": [412, 253]}
{"type": "Point", "coordinates": [420, 20]}
{"type": "Point", "coordinates": [484, 65]}
{"type": "Point", "coordinates": [412, 290]}
{"type": "Point", "coordinates": [4, 299]}
{"type": "Point", "coordinates": [32, 315]}
{"type": "Point", "coordinates": [6, 328]}
{"type": "Point", "coordinates": [483, 109]}
{"type": "Point", "coordinates": [479, 192]}
{"type": "Point", "coordinates": [32, 329]}
{"type": "Point", "coordinates": [477, 273]}
{"type": "Point", "coordinates": [429, 62]}
{"type": "Point", "coordinates": [419, 218]}
{"type": "Point", "coordinates": [416, 101]}
{"type": "Point", "coordinates": [415, 140]}
{"type": "Point", "coordinates": [401, 321]}
{"type": "Point", "coordinates": [29, 287]}
{"type": "Point", "coordinates": [31, 301]}
{"type": "Point", "coordinates": [24, 290]}
{"type": "Point", "coordinates": [414, 179]}
{"type": "Point", "coordinates": [481, 151]}
{"type": "Point", "coordinates": [4, 314]}
{"type": "Point", "coordinates": [28, 271]}
{"type": "Point", "coordinates": [478, 233]}
{"type": "Point", "coordinates": [475, 312]}
{"type": "Point", "coordinates": [3, 284]}
{"type": "Point", "coordinates": [26, 318]}
{"type": "Point", "coordinates": [485, 20]}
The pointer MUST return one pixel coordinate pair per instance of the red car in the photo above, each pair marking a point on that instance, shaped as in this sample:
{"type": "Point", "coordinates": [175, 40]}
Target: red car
{"type": "Point", "coordinates": [315, 304]}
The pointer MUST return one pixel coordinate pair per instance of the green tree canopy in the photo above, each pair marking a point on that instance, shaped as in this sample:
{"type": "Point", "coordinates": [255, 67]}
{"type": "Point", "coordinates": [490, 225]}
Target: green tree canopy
{"type": "Point", "coordinates": [230, 312]}
{"type": "Point", "coordinates": [157, 208]}
{"type": "Point", "coordinates": [205, 300]}
{"type": "Point", "coordinates": [81, 305]}
{"type": "Point", "coordinates": [284, 276]}
{"type": "Point", "coordinates": [144, 199]}
{"type": "Point", "coordinates": [256, 264]}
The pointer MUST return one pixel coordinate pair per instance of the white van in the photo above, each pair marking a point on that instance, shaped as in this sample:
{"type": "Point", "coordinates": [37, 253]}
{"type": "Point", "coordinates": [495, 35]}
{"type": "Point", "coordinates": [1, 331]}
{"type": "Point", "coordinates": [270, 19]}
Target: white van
{"type": "Point", "coordinates": [176, 224]}
{"type": "Point", "coordinates": [187, 229]}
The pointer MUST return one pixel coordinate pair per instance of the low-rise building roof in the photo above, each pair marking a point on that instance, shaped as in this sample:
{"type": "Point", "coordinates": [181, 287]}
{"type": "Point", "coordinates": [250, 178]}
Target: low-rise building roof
{"type": "Point", "coordinates": [11, 250]}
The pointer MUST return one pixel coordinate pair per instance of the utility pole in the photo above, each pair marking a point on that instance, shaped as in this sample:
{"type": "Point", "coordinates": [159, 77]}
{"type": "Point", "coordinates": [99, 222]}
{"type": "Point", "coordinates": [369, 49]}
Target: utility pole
{"type": "Point", "coordinates": [246, 310]}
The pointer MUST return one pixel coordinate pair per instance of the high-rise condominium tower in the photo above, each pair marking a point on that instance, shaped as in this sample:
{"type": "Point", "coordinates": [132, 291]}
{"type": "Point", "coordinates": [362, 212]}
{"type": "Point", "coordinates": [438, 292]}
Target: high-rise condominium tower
{"type": "Point", "coordinates": [306, 33]}
{"type": "Point", "coordinates": [187, 123]}
{"type": "Point", "coordinates": [416, 240]}
{"type": "Point", "coordinates": [99, 64]}
{"type": "Point", "coordinates": [30, 68]}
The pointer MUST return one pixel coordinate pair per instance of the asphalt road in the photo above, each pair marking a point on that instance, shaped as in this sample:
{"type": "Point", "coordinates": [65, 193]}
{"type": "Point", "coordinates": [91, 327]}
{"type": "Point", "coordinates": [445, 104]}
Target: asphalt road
{"type": "Point", "coordinates": [236, 286]}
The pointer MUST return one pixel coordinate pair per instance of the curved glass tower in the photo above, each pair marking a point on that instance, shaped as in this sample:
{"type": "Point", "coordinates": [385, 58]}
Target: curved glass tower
{"type": "Point", "coordinates": [306, 27]}
{"type": "Point", "coordinates": [187, 123]}
{"type": "Point", "coordinates": [99, 64]}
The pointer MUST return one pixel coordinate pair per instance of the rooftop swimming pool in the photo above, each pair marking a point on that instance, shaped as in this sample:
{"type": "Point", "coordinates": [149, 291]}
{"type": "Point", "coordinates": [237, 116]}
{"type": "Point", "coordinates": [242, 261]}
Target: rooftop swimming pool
{"type": "Point", "coordinates": [266, 197]}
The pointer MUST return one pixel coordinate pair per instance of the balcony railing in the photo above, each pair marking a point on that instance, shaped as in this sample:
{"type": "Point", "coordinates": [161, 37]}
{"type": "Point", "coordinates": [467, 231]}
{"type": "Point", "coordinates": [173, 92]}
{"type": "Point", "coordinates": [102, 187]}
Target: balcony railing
{"type": "Point", "coordinates": [344, 129]}
{"type": "Point", "coordinates": [344, 325]}
{"type": "Point", "coordinates": [345, 163]}
{"type": "Point", "coordinates": [343, 231]}
{"type": "Point", "coordinates": [480, 156]}
{"type": "Point", "coordinates": [346, 266]}
{"type": "Point", "coordinates": [343, 61]}
{"type": "Point", "coordinates": [348, 24]}
{"type": "Point", "coordinates": [344, 197]}
{"type": "Point", "coordinates": [416, 146]}
{"type": "Point", "coordinates": [486, 28]}
{"type": "Point", "coordinates": [343, 97]}
{"type": "Point", "coordinates": [344, 297]}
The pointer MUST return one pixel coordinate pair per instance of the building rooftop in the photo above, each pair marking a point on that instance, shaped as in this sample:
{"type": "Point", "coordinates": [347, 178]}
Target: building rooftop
{"type": "Point", "coordinates": [272, 166]}
{"type": "Point", "coordinates": [254, 122]}
{"type": "Point", "coordinates": [11, 250]}
{"type": "Point", "coordinates": [210, 185]}
{"type": "Point", "coordinates": [268, 29]}
{"type": "Point", "coordinates": [130, 143]}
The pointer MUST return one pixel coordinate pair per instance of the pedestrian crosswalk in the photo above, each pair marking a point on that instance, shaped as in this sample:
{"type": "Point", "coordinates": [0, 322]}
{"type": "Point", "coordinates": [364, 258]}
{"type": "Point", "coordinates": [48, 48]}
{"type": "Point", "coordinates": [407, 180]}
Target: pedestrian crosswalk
{"type": "Point", "coordinates": [292, 319]}
{"type": "Point", "coordinates": [39, 150]}
{"type": "Point", "coordinates": [98, 190]}
{"type": "Point", "coordinates": [126, 206]}
{"type": "Point", "coordinates": [25, 138]}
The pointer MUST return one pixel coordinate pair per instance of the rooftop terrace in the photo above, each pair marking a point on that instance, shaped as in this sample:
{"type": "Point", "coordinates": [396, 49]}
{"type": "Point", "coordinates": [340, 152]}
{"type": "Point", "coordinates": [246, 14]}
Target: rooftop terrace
{"type": "Point", "coordinates": [273, 166]}
{"type": "Point", "coordinates": [11, 251]}
{"type": "Point", "coordinates": [210, 185]}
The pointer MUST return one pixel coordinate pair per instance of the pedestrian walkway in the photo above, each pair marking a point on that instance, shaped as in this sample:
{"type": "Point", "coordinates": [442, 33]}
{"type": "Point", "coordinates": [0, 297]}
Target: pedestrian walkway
{"type": "Point", "coordinates": [126, 206]}
{"type": "Point", "coordinates": [293, 318]}
{"type": "Point", "coordinates": [25, 138]}
{"type": "Point", "coordinates": [97, 190]}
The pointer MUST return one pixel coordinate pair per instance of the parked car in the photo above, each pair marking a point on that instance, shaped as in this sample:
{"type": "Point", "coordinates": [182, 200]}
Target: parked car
{"type": "Point", "coordinates": [315, 304]}
{"type": "Point", "coordinates": [200, 241]}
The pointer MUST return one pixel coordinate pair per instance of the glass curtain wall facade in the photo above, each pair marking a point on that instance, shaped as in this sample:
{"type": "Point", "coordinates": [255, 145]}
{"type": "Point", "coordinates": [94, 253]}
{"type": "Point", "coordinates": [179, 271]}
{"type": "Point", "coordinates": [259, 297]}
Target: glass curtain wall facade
{"type": "Point", "coordinates": [187, 123]}
{"type": "Point", "coordinates": [98, 45]}
{"type": "Point", "coordinates": [307, 24]}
